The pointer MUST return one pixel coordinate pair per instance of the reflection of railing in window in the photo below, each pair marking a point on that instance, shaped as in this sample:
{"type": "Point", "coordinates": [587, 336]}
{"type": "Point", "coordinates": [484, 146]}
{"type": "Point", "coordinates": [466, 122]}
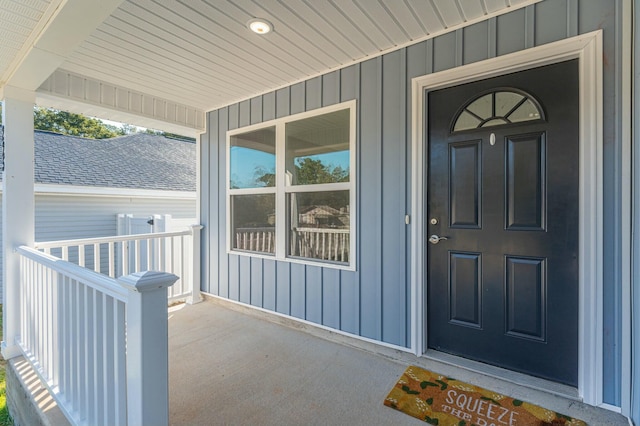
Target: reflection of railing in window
{"type": "Point", "coordinates": [313, 243]}
{"type": "Point", "coordinates": [321, 243]}
{"type": "Point", "coordinates": [256, 239]}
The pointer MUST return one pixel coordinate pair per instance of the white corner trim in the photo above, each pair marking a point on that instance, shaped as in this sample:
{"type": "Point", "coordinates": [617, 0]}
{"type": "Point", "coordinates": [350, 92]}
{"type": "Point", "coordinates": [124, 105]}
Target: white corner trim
{"type": "Point", "coordinates": [588, 49]}
{"type": "Point", "coordinates": [52, 189]}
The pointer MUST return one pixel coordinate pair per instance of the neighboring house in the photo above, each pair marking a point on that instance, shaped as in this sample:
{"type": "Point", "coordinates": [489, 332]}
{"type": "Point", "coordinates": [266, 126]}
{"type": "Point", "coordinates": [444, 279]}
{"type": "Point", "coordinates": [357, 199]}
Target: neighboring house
{"type": "Point", "coordinates": [83, 184]}
{"type": "Point", "coordinates": [493, 196]}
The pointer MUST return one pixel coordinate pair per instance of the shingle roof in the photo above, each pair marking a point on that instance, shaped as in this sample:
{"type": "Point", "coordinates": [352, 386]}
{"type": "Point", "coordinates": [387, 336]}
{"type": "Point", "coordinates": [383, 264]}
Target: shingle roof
{"type": "Point", "coordinates": [140, 161]}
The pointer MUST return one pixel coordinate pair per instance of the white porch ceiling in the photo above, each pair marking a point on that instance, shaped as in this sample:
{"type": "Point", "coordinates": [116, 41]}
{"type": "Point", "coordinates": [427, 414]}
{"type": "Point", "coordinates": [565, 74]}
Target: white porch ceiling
{"type": "Point", "coordinates": [200, 55]}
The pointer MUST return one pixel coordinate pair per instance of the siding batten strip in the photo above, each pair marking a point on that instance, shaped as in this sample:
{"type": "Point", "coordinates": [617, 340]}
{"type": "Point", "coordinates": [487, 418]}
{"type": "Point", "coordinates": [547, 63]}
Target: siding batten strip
{"type": "Point", "coordinates": [529, 26]}
{"type": "Point", "coordinates": [572, 18]}
{"type": "Point", "coordinates": [459, 54]}
{"type": "Point", "coordinates": [492, 40]}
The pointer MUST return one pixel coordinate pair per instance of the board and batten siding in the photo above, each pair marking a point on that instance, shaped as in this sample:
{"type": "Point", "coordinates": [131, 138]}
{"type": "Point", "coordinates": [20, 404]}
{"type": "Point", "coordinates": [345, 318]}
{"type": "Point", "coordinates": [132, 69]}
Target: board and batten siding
{"type": "Point", "coordinates": [373, 302]}
{"type": "Point", "coordinates": [67, 217]}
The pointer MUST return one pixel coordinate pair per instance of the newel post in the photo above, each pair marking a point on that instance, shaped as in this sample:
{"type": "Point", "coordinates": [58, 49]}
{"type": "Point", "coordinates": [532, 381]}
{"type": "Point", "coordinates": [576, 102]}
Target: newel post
{"type": "Point", "coordinates": [195, 297]}
{"type": "Point", "coordinates": [147, 347]}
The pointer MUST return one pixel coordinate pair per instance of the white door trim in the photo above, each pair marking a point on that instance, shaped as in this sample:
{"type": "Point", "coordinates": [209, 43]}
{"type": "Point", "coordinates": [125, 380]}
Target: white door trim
{"type": "Point", "coordinates": [588, 49]}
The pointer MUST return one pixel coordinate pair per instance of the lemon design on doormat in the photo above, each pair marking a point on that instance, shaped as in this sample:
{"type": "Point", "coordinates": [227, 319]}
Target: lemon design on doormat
{"type": "Point", "coordinates": [444, 401]}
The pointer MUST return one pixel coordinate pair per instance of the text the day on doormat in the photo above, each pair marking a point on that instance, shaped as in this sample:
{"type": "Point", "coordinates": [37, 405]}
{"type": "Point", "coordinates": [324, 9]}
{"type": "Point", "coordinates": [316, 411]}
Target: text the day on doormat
{"type": "Point", "coordinates": [443, 401]}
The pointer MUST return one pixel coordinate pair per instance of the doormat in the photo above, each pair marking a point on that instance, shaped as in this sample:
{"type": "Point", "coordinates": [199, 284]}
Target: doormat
{"type": "Point", "coordinates": [443, 401]}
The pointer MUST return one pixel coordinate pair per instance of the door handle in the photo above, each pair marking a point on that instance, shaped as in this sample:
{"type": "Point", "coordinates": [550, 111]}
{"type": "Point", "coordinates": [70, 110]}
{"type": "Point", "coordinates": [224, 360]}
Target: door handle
{"type": "Point", "coordinates": [434, 239]}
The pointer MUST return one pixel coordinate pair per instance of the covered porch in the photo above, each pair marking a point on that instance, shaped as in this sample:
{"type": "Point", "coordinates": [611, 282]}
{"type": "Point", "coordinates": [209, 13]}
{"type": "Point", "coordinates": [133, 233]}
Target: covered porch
{"type": "Point", "coordinates": [196, 69]}
{"type": "Point", "coordinates": [231, 364]}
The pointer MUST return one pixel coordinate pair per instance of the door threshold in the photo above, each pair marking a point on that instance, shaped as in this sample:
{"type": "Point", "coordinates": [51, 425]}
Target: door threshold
{"type": "Point", "coordinates": [509, 376]}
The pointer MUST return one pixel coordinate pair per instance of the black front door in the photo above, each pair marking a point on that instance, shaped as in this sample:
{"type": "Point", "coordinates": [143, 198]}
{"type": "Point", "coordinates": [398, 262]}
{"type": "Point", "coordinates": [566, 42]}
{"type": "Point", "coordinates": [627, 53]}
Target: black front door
{"type": "Point", "coordinates": [503, 189]}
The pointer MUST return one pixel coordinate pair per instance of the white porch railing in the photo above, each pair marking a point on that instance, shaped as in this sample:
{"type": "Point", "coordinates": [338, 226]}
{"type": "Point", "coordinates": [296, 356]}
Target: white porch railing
{"type": "Point", "coordinates": [173, 252]}
{"type": "Point", "coordinates": [82, 333]}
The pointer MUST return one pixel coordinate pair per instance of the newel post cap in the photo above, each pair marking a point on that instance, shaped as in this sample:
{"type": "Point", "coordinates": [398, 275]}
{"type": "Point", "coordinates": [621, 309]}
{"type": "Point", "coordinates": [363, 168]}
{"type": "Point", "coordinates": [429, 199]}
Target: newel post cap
{"type": "Point", "coordinates": [147, 281]}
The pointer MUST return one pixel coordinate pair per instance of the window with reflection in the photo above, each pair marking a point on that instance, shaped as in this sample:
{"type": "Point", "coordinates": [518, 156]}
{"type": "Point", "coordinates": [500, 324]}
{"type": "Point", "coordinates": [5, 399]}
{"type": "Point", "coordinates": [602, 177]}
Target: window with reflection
{"type": "Point", "coordinates": [252, 171]}
{"type": "Point", "coordinates": [291, 191]}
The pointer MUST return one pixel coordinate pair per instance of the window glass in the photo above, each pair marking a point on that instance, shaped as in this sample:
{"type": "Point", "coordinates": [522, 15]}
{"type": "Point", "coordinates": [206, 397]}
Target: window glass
{"type": "Point", "coordinates": [482, 107]}
{"type": "Point", "coordinates": [253, 159]}
{"type": "Point", "coordinates": [506, 101]}
{"type": "Point", "coordinates": [525, 112]}
{"type": "Point", "coordinates": [466, 121]}
{"type": "Point", "coordinates": [319, 225]}
{"type": "Point", "coordinates": [253, 221]}
{"type": "Point", "coordinates": [496, 109]}
{"type": "Point", "coordinates": [317, 149]}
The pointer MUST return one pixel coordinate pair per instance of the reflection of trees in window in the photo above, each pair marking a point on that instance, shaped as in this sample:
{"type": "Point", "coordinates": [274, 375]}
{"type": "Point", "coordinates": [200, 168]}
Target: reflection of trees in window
{"type": "Point", "coordinates": [310, 171]}
{"type": "Point", "coordinates": [264, 177]}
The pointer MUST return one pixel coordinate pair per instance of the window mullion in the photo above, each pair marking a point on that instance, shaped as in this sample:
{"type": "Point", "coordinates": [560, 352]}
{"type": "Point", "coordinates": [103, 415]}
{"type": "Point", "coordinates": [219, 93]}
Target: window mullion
{"type": "Point", "coordinates": [281, 197]}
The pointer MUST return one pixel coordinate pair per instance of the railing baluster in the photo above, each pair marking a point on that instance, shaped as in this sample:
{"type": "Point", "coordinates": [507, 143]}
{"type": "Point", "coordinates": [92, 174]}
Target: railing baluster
{"type": "Point", "coordinates": [324, 240]}
{"type": "Point", "coordinates": [120, 364]}
{"type": "Point", "coordinates": [98, 357]}
{"type": "Point", "coordinates": [137, 255]}
{"type": "Point", "coordinates": [81, 259]}
{"type": "Point", "coordinates": [112, 264]}
{"type": "Point", "coordinates": [125, 257]}
{"type": "Point", "coordinates": [107, 360]}
{"type": "Point", "coordinates": [77, 345]}
{"type": "Point", "coordinates": [96, 257]}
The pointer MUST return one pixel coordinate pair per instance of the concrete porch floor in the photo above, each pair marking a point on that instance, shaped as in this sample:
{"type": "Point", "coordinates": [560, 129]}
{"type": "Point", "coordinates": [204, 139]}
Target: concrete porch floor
{"type": "Point", "coordinates": [234, 365]}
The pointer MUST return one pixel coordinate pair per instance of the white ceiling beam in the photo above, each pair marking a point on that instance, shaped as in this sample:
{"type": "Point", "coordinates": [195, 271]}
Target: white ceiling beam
{"type": "Point", "coordinates": [75, 93]}
{"type": "Point", "coordinates": [64, 25]}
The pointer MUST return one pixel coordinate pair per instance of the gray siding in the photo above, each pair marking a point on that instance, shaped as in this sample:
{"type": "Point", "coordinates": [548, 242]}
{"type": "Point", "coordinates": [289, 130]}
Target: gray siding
{"type": "Point", "coordinates": [373, 302]}
{"type": "Point", "coordinates": [70, 217]}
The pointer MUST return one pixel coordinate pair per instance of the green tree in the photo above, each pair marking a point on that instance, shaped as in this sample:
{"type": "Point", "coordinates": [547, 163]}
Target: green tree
{"type": "Point", "coordinates": [72, 124]}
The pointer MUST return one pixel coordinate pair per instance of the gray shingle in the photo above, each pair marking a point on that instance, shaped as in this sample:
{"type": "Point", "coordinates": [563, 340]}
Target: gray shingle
{"type": "Point", "coordinates": [140, 160]}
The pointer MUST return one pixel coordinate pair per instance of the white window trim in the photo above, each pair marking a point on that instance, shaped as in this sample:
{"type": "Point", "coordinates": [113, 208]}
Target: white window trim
{"type": "Point", "coordinates": [587, 48]}
{"type": "Point", "coordinates": [281, 190]}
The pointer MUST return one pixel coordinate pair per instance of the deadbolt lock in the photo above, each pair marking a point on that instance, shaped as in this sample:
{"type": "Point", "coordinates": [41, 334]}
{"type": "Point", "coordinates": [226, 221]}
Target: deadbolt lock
{"type": "Point", "coordinates": [434, 221]}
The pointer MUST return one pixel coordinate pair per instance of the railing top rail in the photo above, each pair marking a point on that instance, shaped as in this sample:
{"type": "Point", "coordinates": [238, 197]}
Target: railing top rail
{"type": "Point", "coordinates": [325, 230]}
{"type": "Point", "coordinates": [93, 279]}
{"type": "Point", "coordinates": [116, 239]}
{"type": "Point", "coordinates": [257, 229]}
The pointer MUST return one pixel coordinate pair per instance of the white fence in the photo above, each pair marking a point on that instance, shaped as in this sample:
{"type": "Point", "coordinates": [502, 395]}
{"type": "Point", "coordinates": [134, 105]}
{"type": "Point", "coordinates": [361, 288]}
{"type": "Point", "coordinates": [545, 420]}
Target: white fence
{"type": "Point", "coordinates": [173, 252]}
{"type": "Point", "coordinates": [82, 332]}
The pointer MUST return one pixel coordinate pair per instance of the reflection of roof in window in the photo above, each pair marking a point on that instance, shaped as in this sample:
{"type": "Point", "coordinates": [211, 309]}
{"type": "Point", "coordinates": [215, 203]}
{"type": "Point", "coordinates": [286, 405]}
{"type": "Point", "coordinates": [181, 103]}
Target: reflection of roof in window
{"type": "Point", "coordinates": [502, 106]}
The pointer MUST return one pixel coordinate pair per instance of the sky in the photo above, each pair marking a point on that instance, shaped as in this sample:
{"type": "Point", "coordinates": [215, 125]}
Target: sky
{"type": "Point", "coordinates": [244, 163]}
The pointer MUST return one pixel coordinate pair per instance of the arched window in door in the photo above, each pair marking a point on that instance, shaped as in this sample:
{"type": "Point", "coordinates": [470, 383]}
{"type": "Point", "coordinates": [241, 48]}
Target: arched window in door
{"type": "Point", "coordinates": [497, 108]}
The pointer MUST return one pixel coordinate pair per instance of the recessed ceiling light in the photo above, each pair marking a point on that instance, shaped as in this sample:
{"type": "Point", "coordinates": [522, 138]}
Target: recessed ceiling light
{"type": "Point", "coordinates": [260, 26]}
